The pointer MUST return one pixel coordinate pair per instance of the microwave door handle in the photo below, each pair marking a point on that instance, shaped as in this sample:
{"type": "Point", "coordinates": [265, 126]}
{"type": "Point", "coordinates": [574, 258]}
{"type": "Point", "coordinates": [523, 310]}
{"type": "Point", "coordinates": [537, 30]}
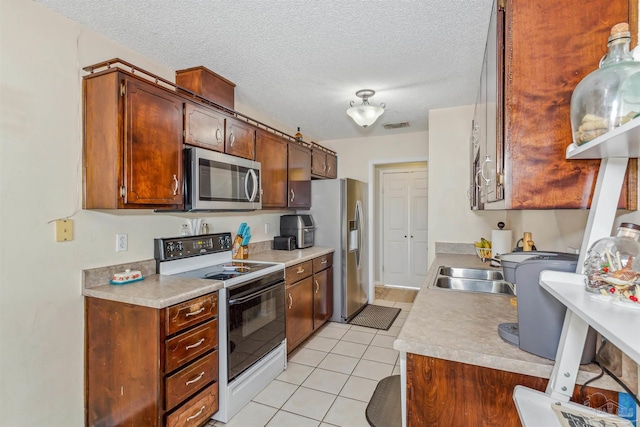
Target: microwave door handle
{"type": "Point", "coordinates": [254, 178]}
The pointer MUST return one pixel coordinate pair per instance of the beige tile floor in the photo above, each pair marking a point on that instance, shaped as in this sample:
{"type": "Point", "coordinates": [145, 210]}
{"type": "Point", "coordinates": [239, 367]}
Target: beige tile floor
{"type": "Point", "coordinates": [329, 379]}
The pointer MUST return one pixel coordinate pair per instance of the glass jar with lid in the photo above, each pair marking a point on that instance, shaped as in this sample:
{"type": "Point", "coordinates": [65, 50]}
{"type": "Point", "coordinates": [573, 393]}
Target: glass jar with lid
{"type": "Point", "coordinates": [612, 265]}
{"type": "Point", "coordinates": [609, 96]}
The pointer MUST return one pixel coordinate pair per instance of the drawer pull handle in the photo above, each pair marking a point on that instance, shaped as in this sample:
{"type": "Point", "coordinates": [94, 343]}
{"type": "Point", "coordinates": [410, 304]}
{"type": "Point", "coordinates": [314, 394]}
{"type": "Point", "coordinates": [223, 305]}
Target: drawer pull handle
{"type": "Point", "coordinates": [196, 379]}
{"type": "Point", "coordinates": [317, 286]}
{"type": "Point", "coordinates": [290, 301]}
{"type": "Point", "coordinates": [300, 270]}
{"type": "Point", "coordinates": [197, 414]}
{"type": "Point", "coordinates": [193, 313]}
{"type": "Point", "coordinates": [324, 261]}
{"type": "Point", "coordinates": [189, 347]}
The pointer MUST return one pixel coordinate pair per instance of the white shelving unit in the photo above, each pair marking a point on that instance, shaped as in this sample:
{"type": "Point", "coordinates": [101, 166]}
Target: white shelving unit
{"type": "Point", "coordinates": [620, 325]}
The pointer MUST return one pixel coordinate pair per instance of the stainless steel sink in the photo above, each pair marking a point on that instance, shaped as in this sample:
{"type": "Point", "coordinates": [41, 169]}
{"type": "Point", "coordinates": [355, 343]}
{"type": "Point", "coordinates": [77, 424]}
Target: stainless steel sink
{"type": "Point", "coordinates": [474, 285]}
{"type": "Point", "coordinates": [471, 273]}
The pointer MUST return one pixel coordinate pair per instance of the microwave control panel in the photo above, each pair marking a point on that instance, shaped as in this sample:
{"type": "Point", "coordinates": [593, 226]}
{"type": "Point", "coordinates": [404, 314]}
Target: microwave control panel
{"type": "Point", "coordinates": [188, 246]}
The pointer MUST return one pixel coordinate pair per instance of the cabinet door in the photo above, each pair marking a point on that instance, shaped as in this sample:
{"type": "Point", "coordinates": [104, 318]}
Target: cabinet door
{"type": "Point", "coordinates": [539, 82]}
{"type": "Point", "coordinates": [271, 152]}
{"type": "Point", "coordinates": [332, 166]}
{"type": "Point", "coordinates": [318, 163]}
{"type": "Point", "coordinates": [152, 145]}
{"type": "Point", "coordinates": [299, 176]}
{"type": "Point", "coordinates": [299, 312]}
{"type": "Point", "coordinates": [203, 127]}
{"type": "Point", "coordinates": [241, 139]}
{"type": "Point", "coordinates": [322, 297]}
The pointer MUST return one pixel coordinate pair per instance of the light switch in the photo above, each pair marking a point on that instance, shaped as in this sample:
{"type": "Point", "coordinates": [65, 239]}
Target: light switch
{"type": "Point", "coordinates": [64, 230]}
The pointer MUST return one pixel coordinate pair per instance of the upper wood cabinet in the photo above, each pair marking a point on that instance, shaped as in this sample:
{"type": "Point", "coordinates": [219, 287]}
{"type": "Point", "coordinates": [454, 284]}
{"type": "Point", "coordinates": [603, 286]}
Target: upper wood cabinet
{"type": "Point", "coordinates": [240, 139]}
{"type": "Point", "coordinates": [132, 143]}
{"type": "Point", "coordinates": [204, 127]}
{"type": "Point", "coordinates": [271, 152]}
{"type": "Point", "coordinates": [332, 166]}
{"type": "Point", "coordinates": [536, 55]}
{"type": "Point", "coordinates": [299, 176]}
{"type": "Point", "coordinates": [323, 163]}
{"type": "Point", "coordinates": [318, 163]}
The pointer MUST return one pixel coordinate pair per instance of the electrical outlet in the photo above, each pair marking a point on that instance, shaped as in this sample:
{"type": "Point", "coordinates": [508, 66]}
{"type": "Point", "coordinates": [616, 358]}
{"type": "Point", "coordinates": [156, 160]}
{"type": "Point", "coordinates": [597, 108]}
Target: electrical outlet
{"type": "Point", "coordinates": [122, 242]}
{"type": "Point", "coordinates": [267, 228]}
{"type": "Point", "coordinates": [64, 230]}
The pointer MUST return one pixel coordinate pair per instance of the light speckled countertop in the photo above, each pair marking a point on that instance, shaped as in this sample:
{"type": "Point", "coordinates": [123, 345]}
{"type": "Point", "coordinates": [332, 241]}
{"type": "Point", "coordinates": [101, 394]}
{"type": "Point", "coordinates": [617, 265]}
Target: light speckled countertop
{"type": "Point", "coordinates": [463, 327]}
{"type": "Point", "coordinates": [289, 258]}
{"type": "Point", "coordinates": [160, 291]}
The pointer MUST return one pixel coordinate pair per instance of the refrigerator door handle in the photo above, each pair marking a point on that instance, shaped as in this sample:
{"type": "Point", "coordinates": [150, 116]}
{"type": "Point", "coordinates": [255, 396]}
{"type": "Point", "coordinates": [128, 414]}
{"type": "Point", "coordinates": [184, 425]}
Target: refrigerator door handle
{"type": "Point", "coordinates": [356, 233]}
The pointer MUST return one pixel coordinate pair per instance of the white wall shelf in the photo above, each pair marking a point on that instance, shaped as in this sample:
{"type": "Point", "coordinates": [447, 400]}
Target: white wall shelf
{"type": "Point", "coordinates": [621, 142]}
{"type": "Point", "coordinates": [618, 324]}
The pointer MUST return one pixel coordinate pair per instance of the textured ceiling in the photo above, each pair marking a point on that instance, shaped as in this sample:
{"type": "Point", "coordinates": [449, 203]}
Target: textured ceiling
{"type": "Point", "coordinates": [301, 61]}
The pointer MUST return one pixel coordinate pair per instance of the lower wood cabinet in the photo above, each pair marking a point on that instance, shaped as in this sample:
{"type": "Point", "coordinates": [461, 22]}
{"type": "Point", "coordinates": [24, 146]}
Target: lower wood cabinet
{"type": "Point", "coordinates": [309, 298]}
{"type": "Point", "coordinates": [151, 367]}
{"type": "Point", "coordinates": [299, 312]}
{"type": "Point", "coordinates": [444, 393]}
{"type": "Point", "coordinates": [322, 290]}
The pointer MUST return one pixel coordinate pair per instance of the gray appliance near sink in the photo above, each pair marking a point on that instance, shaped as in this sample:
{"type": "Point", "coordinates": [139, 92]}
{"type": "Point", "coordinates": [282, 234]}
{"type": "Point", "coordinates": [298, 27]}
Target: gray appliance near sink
{"type": "Point", "coordinates": [540, 315]}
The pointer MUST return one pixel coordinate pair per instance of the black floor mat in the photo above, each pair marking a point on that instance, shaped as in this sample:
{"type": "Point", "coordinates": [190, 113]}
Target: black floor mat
{"type": "Point", "coordinates": [376, 316]}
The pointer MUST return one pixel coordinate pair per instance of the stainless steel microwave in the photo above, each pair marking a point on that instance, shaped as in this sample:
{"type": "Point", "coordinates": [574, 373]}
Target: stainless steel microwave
{"type": "Point", "coordinates": [219, 182]}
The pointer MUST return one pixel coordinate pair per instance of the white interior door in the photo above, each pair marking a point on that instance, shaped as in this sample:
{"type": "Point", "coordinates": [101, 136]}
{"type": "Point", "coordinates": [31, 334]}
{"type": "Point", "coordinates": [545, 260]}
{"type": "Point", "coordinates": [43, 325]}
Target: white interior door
{"type": "Point", "coordinates": [395, 230]}
{"type": "Point", "coordinates": [404, 228]}
{"type": "Point", "coordinates": [418, 229]}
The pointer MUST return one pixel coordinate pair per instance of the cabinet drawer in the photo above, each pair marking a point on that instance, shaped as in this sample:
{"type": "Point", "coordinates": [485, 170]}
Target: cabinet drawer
{"type": "Point", "coordinates": [322, 262]}
{"type": "Point", "coordinates": [298, 272]}
{"type": "Point", "coordinates": [183, 315]}
{"type": "Point", "coordinates": [191, 344]}
{"type": "Point", "coordinates": [189, 380]}
{"type": "Point", "coordinates": [197, 410]}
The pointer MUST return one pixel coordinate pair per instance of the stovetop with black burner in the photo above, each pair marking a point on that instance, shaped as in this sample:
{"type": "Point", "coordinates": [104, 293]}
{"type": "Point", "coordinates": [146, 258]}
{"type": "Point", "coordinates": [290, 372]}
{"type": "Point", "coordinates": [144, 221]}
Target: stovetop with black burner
{"type": "Point", "coordinates": [226, 271]}
{"type": "Point", "coordinates": [208, 257]}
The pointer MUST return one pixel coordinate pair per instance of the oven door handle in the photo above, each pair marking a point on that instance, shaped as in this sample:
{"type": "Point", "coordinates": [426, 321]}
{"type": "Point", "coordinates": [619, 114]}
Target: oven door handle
{"type": "Point", "coordinates": [253, 295]}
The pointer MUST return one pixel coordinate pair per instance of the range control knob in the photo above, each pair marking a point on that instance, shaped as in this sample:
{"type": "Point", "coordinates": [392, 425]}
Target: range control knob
{"type": "Point", "coordinates": [170, 247]}
{"type": "Point", "coordinates": [179, 246]}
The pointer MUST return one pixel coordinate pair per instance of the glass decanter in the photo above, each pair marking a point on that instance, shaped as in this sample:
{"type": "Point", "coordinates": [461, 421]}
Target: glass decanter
{"type": "Point", "coordinates": [612, 265]}
{"type": "Point", "coordinates": [609, 96]}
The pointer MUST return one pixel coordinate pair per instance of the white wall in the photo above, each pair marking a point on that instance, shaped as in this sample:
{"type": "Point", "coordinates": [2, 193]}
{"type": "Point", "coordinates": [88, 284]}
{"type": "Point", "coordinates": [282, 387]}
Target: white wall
{"type": "Point", "coordinates": [451, 220]}
{"type": "Point", "coordinates": [356, 155]}
{"type": "Point", "coordinates": [41, 306]}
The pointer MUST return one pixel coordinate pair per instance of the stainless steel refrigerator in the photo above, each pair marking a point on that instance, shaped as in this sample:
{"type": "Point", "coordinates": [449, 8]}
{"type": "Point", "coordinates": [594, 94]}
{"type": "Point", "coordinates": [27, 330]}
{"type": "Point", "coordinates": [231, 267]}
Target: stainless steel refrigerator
{"type": "Point", "coordinates": [339, 209]}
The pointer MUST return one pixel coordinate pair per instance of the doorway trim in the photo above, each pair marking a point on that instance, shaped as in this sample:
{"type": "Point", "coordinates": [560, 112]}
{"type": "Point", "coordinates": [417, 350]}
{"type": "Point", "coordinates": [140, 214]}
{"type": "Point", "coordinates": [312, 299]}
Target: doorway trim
{"type": "Point", "coordinates": [373, 215]}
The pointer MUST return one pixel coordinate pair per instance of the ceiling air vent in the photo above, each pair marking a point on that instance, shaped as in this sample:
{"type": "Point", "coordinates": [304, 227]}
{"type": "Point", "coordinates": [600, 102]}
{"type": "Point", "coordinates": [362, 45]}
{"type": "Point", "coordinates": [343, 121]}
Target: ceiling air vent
{"type": "Point", "coordinates": [396, 125]}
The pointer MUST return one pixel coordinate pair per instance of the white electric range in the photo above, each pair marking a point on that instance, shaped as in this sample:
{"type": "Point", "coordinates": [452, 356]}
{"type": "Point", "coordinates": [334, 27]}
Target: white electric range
{"type": "Point", "coordinates": [251, 313]}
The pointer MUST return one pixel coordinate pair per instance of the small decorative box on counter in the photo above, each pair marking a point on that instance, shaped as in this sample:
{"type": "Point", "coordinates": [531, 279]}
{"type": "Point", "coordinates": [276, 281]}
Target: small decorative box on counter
{"type": "Point", "coordinates": [126, 276]}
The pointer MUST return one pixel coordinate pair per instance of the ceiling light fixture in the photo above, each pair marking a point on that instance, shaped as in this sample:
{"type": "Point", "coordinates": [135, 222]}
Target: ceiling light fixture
{"type": "Point", "coordinates": [366, 114]}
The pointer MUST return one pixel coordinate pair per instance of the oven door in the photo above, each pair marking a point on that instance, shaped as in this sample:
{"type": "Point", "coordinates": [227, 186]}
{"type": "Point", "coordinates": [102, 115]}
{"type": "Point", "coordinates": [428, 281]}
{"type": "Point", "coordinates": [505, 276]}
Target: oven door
{"type": "Point", "coordinates": [217, 181]}
{"type": "Point", "coordinates": [256, 321]}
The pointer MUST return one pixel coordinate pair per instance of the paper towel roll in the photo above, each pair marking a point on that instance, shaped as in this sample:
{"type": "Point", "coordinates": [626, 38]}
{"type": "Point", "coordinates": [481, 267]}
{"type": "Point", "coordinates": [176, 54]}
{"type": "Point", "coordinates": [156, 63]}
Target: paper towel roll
{"type": "Point", "coordinates": [501, 242]}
